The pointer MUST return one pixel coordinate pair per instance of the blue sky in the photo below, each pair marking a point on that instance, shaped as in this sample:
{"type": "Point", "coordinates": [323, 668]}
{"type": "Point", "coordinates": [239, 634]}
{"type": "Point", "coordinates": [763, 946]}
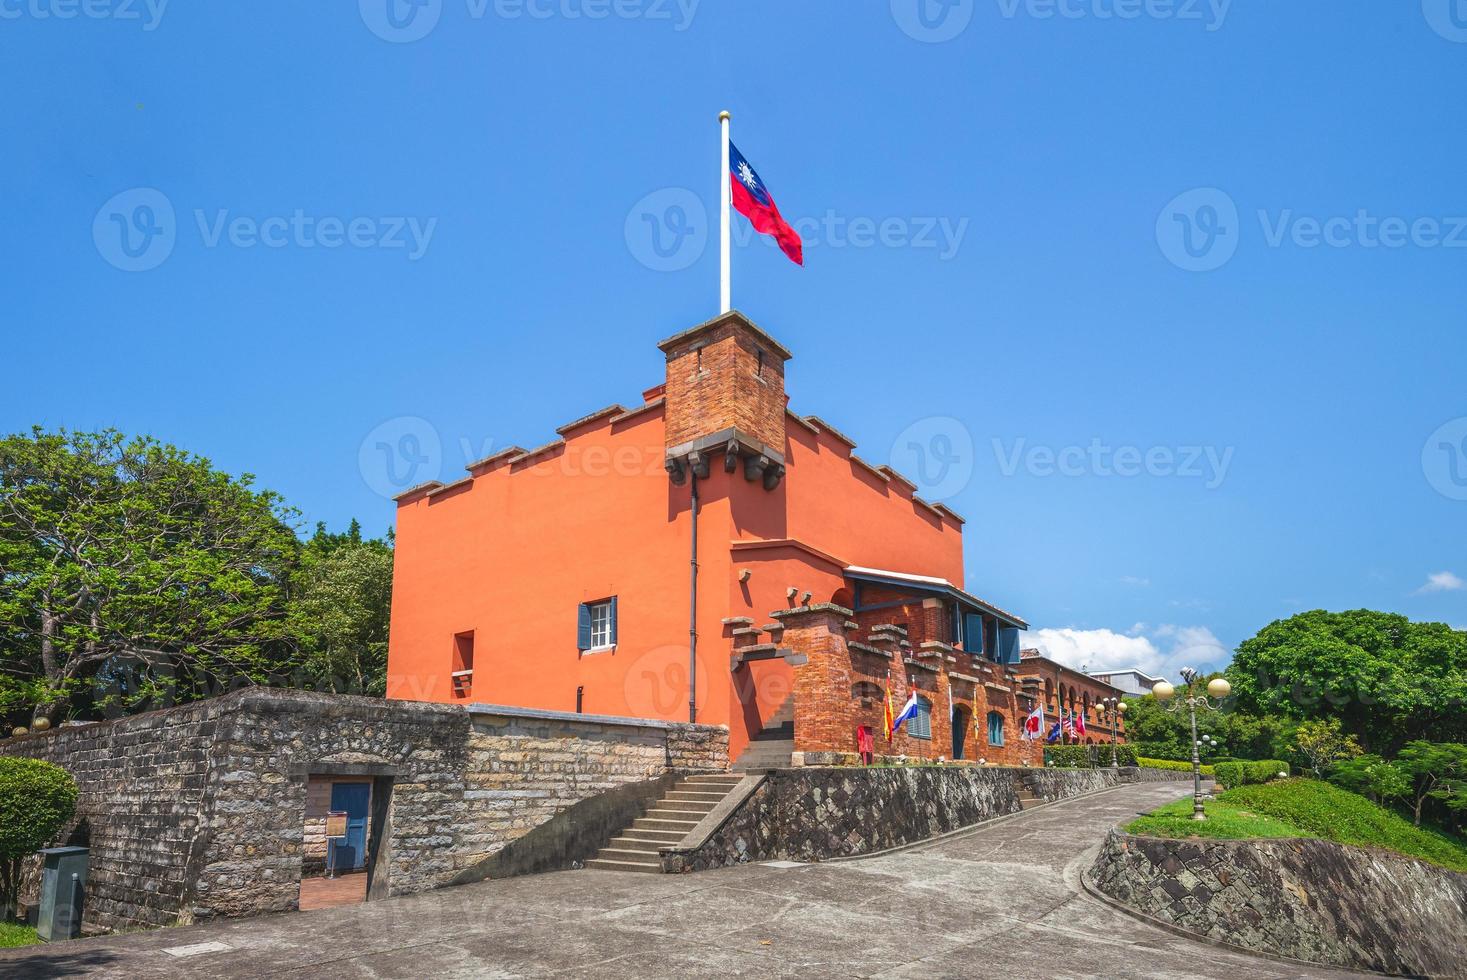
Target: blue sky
{"type": "Point", "coordinates": [1216, 246]}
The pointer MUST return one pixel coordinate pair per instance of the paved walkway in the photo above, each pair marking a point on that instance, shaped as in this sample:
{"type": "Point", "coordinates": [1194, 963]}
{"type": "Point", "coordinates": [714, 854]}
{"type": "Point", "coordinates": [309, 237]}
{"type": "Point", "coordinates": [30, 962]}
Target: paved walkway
{"type": "Point", "coordinates": [1002, 901]}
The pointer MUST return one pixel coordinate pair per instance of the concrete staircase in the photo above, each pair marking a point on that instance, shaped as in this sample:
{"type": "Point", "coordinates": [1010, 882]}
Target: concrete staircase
{"type": "Point", "coordinates": [772, 747]}
{"type": "Point", "coordinates": [665, 824]}
{"type": "Point", "coordinates": [1026, 794]}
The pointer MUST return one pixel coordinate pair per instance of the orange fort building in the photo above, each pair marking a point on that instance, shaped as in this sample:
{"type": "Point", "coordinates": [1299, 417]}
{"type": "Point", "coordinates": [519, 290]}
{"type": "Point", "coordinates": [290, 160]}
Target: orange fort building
{"type": "Point", "coordinates": [709, 555]}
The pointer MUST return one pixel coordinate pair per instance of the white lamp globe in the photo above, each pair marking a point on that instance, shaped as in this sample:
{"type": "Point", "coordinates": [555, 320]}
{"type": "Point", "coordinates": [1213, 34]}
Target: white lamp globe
{"type": "Point", "coordinates": [1219, 688]}
{"type": "Point", "coordinates": [1163, 691]}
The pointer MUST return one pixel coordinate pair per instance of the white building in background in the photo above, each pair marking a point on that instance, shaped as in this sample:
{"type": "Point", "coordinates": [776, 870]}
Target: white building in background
{"type": "Point", "coordinates": [1132, 680]}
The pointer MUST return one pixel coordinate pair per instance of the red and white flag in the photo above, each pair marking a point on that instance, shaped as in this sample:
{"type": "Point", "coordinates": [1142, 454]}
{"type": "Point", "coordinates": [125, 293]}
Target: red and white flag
{"type": "Point", "coordinates": [1034, 724]}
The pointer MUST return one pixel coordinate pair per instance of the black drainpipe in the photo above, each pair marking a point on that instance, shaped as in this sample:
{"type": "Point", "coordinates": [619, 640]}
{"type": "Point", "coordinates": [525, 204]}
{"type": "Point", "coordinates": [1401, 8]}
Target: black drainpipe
{"type": "Point", "coordinates": [693, 610]}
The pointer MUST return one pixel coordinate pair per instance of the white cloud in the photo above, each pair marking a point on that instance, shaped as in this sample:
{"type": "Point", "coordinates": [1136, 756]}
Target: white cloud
{"type": "Point", "coordinates": [1442, 582]}
{"type": "Point", "coordinates": [1161, 651]}
{"type": "Point", "coordinates": [1135, 580]}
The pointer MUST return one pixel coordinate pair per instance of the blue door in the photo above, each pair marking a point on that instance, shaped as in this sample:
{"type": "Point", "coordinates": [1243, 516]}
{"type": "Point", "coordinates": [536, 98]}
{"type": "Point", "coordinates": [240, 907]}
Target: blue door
{"type": "Point", "coordinates": [351, 851]}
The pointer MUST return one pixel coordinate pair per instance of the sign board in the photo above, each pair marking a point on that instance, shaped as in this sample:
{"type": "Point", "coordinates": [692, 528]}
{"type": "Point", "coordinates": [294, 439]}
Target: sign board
{"type": "Point", "coordinates": [336, 823]}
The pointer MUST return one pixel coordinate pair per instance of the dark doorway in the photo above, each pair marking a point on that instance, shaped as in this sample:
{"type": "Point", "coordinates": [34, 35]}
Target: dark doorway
{"type": "Point", "coordinates": [961, 721]}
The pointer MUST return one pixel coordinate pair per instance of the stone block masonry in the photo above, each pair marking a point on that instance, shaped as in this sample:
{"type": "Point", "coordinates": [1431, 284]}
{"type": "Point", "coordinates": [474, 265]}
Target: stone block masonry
{"type": "Point", "coordinates": [203, 810]}
{"type": "Point", "coordinates": [1306, 899]}
{"type": "Point", "coordinates": [816, 813]}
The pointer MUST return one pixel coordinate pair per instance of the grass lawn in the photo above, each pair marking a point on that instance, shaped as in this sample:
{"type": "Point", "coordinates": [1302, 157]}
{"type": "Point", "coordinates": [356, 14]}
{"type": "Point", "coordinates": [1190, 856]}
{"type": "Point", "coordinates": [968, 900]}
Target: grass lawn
{"type": "Point", "coordinates": [12, 934]}
{"type": "Point", "coordinates": [1304, 808]}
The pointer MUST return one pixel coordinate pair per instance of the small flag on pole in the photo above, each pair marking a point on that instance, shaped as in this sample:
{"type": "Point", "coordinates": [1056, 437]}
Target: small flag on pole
{"type": "Point", "coordinates": [1034, 724]}
{"type": "Point", "coordinates": [889, 716]}
{"type": "Point", "coordinates": [909, 711]}
{"type": "Point", "coordinates": [753, 200]}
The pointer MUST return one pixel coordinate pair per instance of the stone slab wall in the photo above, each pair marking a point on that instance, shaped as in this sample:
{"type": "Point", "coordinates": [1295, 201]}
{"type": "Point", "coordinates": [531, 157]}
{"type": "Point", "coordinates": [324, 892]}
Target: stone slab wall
{"type": "Point", "coordinates": [142, 793]}
{"type": "Point", "coordinates": [813, 813]}
{"type": "Point", "coordinates": [1308, 899]}
{"type": "Point", "coordinates": [202, 810]}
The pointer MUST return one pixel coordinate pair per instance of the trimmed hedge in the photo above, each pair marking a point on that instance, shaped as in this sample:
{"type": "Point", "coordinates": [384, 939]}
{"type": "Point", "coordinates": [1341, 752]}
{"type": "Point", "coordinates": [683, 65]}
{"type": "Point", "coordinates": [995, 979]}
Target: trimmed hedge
{"type": "Point", "coordinates": [1088, 756]}
{"type": "Point", "coordinates": [1172, 765]}
{"type": "Point", "coordinates": [1234, 774]}
{"type": "Point", "coordinates": [37, 799]}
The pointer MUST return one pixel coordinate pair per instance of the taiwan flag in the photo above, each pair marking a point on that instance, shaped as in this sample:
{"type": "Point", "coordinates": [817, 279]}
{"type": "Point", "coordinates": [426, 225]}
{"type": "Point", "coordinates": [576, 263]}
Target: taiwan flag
{"type": "Point", "coordinates": [753, 201]}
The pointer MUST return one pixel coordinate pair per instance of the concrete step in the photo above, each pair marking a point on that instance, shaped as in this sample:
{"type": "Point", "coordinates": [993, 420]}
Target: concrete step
{"type": "Point", "coordinates": [713, 798]}
{"type": "Point", "coordinates": [724, 781]}
{"type": "Point", "coordinates": [640, 854]}
{"type": "Point", "coordinates": [684, 814]}
{"type": "Point", "coordinates": [629, 842]}
{"type": "Point", "coordinates": [775, 733]}
{"type": "Point", "coordinates": [658, 823]}
{"type": "Point", "coordinates": [659, 837]}
{"type": "Point", "coordinates": [604, 864]}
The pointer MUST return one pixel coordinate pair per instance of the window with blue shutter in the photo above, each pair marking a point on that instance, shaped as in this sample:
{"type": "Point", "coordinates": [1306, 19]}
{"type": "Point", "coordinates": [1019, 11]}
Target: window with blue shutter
{"type": "Point", "coordinates": [995, 728]}
{"type": "Point", "coordinates": [973, 633]}
{"type": "Point", "coordinates": [1008, 645]}
{"type": "Point", "coordinates": [596, 625]}
{"type": "Point", "coordinates": [920, 725]}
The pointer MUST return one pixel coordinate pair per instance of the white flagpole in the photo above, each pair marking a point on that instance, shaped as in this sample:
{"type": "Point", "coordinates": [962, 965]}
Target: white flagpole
{"type": "Point", "coordinates": [725, 268]}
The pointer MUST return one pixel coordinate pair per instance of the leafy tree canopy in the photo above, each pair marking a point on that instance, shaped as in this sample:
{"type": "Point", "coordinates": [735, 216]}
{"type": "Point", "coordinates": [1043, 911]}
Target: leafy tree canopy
{"type": "Point", "coordinates": [1386, 679]}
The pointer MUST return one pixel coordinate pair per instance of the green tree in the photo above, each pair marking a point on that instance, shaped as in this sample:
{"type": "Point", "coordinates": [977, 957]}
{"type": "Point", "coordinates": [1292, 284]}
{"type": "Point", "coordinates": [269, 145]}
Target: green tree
{"type": "Point", "coordinates": [341, 601]}
{"type": "Point", "coordinates": [36, 800]}
{"type": "Point", "coordinates": [1438, 771]}
{"type": "Point", "coordinates": [1386, 679]}
{"type": "Point", "coordinates": [1372, 776]}
{"type": "Point", "coordinates": [131, 571]}
{"type": "Point", "coordinates": [1323, 743]}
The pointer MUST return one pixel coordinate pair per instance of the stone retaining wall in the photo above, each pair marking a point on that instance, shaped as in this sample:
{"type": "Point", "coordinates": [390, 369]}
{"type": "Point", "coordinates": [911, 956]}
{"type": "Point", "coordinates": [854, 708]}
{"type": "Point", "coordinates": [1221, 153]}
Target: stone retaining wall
{"type": "Point", "coordinates": [201, 810]}
{"type": "Point", "coordinates": [1307, 899]}
{"type": "Point", "coordinates": [815, 813]}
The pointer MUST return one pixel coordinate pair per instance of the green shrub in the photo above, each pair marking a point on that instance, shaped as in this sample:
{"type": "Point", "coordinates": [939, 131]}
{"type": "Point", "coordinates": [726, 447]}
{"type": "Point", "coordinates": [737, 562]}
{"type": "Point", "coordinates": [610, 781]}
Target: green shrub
{"type": "Point", "coordinates": [36, 800]}
{"type": "Point", "coordinates": [1329, 812]}
{"type": "Point", "coordinates": [1070, 756]}
{"type": "Point", "coordinates": [1170, 764]}
{"type": "Point", "coordinates": [1233, 774]}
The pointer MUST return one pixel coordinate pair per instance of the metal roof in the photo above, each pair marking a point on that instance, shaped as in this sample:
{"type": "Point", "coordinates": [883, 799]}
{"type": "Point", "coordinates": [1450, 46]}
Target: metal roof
{"type": "Point", "coordinates": [932, 584]}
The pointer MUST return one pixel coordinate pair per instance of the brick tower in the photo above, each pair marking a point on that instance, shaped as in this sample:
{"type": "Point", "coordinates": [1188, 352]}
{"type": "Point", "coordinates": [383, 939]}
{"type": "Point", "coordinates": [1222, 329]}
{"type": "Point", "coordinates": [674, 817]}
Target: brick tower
{"type": "Point", "coordinates": [725, 400]}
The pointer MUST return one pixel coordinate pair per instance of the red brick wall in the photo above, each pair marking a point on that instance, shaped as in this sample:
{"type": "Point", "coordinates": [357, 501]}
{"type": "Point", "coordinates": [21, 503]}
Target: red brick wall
{"type": "Point", "coordinates": [714, 382]}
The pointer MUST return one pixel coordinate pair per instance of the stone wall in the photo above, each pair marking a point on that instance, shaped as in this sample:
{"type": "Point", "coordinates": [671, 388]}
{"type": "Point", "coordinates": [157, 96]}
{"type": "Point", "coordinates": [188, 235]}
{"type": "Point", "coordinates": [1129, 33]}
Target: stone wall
{"type": "Point", "coordinates": [1307, 899]}
{"type": "Point", "coordinates": [202, 810]}
{"type": "Point", "coordinates": [813, 813]}
{"type": "Point", "coordinates": [142, 795]}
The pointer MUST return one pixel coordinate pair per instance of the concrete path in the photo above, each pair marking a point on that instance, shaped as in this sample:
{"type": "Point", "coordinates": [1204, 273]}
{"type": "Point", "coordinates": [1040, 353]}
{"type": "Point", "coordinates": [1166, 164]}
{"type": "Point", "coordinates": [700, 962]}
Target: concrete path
{"type": "Point", "coordinates": [1001, 901]}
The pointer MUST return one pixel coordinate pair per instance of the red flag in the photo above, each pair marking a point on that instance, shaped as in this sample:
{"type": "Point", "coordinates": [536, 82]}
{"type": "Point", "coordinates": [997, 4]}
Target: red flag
{"type": "Point", "coordinates": [753, 201]}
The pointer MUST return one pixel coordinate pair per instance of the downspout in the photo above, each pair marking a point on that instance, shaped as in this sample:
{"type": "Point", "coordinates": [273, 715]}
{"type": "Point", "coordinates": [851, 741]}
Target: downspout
{"type": "Point", "coordinates": [693, 609]}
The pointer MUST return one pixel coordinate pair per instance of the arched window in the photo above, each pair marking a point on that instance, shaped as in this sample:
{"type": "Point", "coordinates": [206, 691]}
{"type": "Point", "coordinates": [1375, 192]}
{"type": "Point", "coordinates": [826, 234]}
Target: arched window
{"type": "Point", "coordinates": [921, 724]}
{"type": "Point", "coordinates": [995, 728]}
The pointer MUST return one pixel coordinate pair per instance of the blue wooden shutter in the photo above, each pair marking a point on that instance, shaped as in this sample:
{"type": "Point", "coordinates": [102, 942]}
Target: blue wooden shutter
{"type": "Point", "coordinates": [583, 627]}
{"type": "Point", "coordinates": [1008, 645]}
{"type": "Point", "coordinates": [613, 620]}
{"type": "Point", "coordinates": [973, 633]}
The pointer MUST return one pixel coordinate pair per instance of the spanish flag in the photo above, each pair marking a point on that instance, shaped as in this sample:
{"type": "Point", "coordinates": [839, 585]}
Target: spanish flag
{"type": "Point", "coordinates": [888, 710]}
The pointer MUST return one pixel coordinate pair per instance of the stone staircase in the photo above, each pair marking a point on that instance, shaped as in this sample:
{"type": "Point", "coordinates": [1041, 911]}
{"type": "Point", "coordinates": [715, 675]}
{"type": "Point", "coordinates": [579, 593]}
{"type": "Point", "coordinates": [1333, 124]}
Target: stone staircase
{"type": "Point", "coordinates": [665, 824]}
{"type": "Point", "coordinates": [772, 747]}
{"type": "Point", "coordinates": [1026, 794]}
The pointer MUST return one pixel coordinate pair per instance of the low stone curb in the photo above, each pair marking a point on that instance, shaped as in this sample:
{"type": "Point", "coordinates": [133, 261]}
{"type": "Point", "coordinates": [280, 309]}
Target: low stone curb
{"type": "Point", "coordinates": [1198, 937]}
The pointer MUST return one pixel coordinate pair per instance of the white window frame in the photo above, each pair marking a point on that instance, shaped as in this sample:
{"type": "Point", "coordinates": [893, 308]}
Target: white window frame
{"type": "Point", "coordinates": [601, 625]}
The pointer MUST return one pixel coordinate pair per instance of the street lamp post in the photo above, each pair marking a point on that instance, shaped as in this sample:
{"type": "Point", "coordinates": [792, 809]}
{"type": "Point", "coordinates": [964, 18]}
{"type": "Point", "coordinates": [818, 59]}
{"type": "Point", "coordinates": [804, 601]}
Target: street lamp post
{"type": "Point", "coordinates": [1218, 689]}
{"type": "Point", "coordinates": [1111, 710]}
